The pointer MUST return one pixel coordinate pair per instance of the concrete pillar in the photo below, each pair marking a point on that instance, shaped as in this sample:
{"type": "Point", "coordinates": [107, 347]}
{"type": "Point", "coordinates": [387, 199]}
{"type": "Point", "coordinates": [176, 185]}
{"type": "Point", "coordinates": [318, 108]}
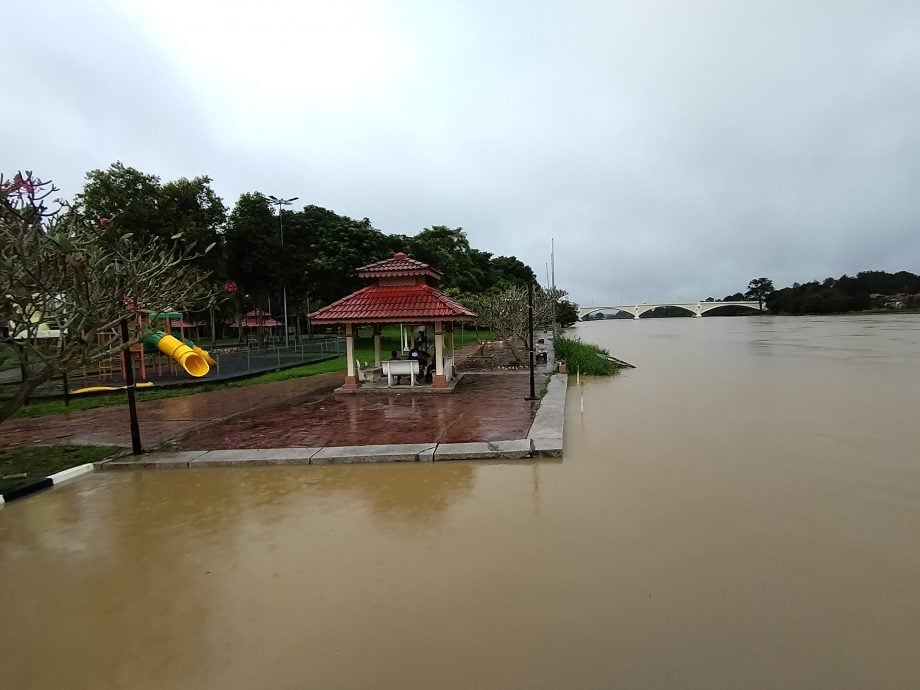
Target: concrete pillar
{"type": "Point", "coordinates": [439, 380]}
{"type": "Point", "coordinates": [699, 310]}
{"type": "Point", "coordinates": [351, 379]}
{"type": "Point", "coordinates": [377, 345]}
{"type": "Point", "coordinates": [637, 312]}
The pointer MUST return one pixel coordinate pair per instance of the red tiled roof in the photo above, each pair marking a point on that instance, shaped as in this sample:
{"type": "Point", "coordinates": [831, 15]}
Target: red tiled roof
{"type": "Point", "coordinates": [393, 304]}
{"type": "Point", "coordinates": [399, 265]}
{"type": "Point", "coordinates": [255, 319]}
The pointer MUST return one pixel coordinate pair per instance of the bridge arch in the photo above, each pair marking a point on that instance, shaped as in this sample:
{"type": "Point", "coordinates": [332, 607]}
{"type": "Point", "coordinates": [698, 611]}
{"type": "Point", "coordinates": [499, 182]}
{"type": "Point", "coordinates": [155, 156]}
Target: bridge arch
{"type": "Point", "coordinates": [605, 310]}
{"type": "Point", "coordinates": [646, 308]}
{"type": "Point", "coordinates": [712, 306]}
{"type": "Point", "coordinates": [695, 308]}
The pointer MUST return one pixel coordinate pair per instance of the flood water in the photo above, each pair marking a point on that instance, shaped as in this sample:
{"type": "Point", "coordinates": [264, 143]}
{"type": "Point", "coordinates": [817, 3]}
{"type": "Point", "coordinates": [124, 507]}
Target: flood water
{"type": "Point", "coordinates": [740, 511]}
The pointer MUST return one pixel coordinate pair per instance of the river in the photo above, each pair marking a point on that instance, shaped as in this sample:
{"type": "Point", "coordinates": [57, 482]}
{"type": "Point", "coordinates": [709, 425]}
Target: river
{"type": "Point", "coordinates": [742, 510]}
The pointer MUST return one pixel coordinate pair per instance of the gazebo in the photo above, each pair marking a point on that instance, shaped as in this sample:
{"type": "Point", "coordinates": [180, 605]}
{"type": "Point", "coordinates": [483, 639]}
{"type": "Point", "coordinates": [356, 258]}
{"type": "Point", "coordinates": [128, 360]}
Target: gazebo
{"type": "Point", "coordinates": [400, 293]}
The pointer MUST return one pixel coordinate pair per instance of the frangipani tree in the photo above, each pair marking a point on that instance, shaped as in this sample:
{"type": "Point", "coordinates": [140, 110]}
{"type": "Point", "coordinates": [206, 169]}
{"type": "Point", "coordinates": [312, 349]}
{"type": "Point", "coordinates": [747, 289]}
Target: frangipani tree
{"type": "Point", "coordinates": [61, 272]}
{"type": "Point", "coordinates": [506, 312]}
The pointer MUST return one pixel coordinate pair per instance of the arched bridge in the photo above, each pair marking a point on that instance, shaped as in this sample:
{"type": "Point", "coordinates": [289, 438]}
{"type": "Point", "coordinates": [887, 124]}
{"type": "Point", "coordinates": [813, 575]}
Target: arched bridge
{"type": "Point", "coordinates": [695, 308]}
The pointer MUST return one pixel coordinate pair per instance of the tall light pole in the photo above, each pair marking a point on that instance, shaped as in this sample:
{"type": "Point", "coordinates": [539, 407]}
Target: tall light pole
{"type": "Point", "coordinates": [283, 202]}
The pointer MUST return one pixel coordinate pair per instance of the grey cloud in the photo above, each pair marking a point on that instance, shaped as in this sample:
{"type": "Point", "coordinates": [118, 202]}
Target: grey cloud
{"type": "Point", "coordinates": [674, 150]}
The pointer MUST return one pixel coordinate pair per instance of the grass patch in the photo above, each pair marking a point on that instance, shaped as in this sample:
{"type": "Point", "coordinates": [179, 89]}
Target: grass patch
{"type": "Point", "coordinates": [587, 358]}
{"type": "Point", "coordinates": [37, 462]}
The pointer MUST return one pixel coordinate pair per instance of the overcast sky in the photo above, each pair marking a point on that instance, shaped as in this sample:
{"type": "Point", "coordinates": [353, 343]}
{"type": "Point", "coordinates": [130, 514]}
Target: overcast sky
{"type": "Point", "coordinates": [674, 149]}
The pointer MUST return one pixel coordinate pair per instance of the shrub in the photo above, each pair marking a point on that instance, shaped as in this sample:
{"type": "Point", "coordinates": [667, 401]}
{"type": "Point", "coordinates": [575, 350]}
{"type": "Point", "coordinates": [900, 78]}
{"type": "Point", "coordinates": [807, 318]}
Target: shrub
{"type": "Point", "coordinates": [587, 358]}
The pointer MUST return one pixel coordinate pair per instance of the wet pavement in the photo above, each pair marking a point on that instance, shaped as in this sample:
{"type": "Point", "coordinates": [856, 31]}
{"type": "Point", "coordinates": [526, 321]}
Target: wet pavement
{"type": "Point", "coordinates": [484, 407]}
{"type": "Point", "coordinates": [160, 420]}
{"type": "Point", "coordinates": [300, 412]}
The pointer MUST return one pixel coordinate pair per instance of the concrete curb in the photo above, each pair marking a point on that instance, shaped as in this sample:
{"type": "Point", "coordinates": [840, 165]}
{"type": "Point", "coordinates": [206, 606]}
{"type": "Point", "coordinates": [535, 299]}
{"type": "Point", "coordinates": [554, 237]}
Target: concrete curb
{"type": "Point", "coordinates": [39, 484]}
{"type": "Point", "coordinates": [545, 440]}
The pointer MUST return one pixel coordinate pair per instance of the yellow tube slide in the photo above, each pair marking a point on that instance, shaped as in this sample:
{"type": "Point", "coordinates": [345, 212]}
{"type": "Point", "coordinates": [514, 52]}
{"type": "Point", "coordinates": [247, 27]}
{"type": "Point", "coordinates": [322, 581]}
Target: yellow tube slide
{"type": "Point", "coordinates": [205, 355]}
{"type": "Point", "coordinates": [193, 363]}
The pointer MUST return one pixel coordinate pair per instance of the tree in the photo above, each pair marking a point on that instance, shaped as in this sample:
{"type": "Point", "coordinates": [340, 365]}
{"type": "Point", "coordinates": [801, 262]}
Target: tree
{"type": "Point", "coordinates": [131, 195]}
{"type": "Point", "coordinates": [759, 289]}
{"type": "Point", "coordinates": [158, 210]}
{"type": "Point", "coordinates": [253, 246]}
{"type": "Point", "coordinates": [62, 272]}
{"type": "Point", "coordinates": [506, 313]}
{"type": "Point", "coordinates": [192, 207]}
{"type": "Point", "coordinates": [566, 313]}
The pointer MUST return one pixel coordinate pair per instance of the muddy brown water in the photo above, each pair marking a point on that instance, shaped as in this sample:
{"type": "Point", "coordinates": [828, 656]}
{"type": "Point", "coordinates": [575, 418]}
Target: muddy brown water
{"type": "Point", "coordinates": [740, 511]}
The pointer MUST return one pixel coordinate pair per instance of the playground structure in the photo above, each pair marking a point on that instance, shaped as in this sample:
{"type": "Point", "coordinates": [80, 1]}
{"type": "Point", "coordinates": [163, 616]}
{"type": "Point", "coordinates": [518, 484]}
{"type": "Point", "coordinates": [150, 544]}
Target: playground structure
{"type": "Point", "coordinates": [177, 351]}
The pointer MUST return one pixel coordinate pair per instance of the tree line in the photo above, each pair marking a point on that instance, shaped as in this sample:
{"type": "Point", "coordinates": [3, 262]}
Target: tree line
{"type": "Point", "coordinates": [315, 261]}
{"type": "Point", "coordinates": [865, 290]}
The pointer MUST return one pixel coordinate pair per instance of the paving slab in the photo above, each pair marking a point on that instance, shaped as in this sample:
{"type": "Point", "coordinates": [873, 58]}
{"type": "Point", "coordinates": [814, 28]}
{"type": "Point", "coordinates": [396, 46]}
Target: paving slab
{"type": "Point", "coordinates": [547, 447]}
{"type": "Point", "coordinates": [255, 456]}
{"type": "Point", "coordinates": [158, 460]}
{"type": "Point", "coordinates": [400, 452]}
{"type": "Point", "coordinates": [475, 450]}
{"type": "Point", "coordinates": [515, 449]}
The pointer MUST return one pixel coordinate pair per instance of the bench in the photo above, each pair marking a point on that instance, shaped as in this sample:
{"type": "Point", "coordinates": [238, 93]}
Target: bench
{"type": "Point", "coordinates": [400, 367]}
{"type": "Point", "coordinates": [366, 373]}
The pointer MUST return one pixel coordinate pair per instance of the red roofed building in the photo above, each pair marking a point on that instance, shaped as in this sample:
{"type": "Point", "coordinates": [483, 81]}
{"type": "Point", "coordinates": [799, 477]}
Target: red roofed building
{"type": "Point", "coordinates": [400, 293]}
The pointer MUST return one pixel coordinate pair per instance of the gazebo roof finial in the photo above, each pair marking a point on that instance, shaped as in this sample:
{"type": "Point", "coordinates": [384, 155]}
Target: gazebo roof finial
{"type": "Point", "coordinates": [400, 265]}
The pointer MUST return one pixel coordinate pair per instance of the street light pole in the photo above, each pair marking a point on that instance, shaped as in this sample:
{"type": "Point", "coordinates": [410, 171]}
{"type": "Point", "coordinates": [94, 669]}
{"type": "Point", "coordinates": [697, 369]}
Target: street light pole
{"type": "Point", "coordinates": [533, 393]}
{"type": "Point", "coordinates": [283, 202]}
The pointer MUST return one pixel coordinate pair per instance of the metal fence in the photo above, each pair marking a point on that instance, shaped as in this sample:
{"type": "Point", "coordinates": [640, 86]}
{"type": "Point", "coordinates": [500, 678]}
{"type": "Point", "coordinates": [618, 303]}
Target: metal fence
{"type": "Point", "coordinates": [240, 361]}
{"type": "Point", "coordinates": [231, 362]}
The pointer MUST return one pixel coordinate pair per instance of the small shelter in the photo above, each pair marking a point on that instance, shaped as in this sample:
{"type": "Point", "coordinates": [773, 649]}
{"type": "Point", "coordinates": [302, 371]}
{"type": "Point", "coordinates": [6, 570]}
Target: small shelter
{"type": "Point", "coordinates": [255, 321]}
{"type": "Point", "coordinates": [400, 293]}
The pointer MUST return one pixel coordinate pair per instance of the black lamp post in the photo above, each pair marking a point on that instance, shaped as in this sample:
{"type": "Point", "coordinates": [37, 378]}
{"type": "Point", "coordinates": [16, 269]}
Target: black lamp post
{"type": "Point", "coordinates": [283, 202]}
{"type": "Point", "coordinates": [129, 380]}
{"type": "Point", "coordinates": [533, 392]}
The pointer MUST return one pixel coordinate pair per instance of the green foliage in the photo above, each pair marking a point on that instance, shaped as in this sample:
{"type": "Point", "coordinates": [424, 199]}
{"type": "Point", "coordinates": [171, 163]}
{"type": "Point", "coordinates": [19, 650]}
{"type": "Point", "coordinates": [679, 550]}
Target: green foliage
{"type": "Point", "coordinates": [465, 269]}
{"type": "Point", "coordinates": [156, 211]}
{"type": "Point", "coordinates": [587, 358]}
{"type": "Point", "coordinates": [192, 209]}
{"type": "Point", "coordinates": [759, 289]}
{"type": "Point", "coordinates": [128, 194]}
{"type": "Point", "coordinates": [253, 245]}
{"type": "Point", "coordinates": [566, 313]}
{"type": "Point", "coordinates": [331, 248]}
{"type": "Point", "coordinates": [867, 290]}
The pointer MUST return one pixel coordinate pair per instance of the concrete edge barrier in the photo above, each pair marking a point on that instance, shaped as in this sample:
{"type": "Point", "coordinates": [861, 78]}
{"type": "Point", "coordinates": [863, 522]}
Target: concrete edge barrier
{"type": "Point", "coordinates": [401, 452]}
{"type": "Point", "coordinates": [544, 440]}
{"type": "Point", "coordinates": [46, 482]}
{"type": "Point", "coordinates": [549, 421]}
{"type": "Point", "coordinates": [255, 457]}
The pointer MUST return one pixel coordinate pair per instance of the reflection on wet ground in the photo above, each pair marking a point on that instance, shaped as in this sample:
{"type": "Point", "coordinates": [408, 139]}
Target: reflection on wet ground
{"type": "Point", "coordinates": [484, 407]}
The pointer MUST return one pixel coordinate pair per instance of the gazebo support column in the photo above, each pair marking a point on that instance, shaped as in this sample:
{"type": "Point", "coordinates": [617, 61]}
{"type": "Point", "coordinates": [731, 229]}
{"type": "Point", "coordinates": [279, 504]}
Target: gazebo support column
{"type": "Point", "coordinates": [351, 379]}
{"type": "Point", "coordinates": [377, 328]}
{"type": "Point", "coordinates": [439, 380]}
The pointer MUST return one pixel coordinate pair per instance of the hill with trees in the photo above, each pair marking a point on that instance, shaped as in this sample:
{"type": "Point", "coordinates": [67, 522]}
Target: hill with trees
{"type": "Point", "coordinates": [864, 291]}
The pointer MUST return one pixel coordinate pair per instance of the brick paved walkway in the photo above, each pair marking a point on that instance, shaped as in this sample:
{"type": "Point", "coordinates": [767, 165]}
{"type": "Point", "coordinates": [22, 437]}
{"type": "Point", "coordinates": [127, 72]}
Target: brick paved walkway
{"type": "Point", "coordinates": [299, 412]}
{"type": "Point", "coordinates": [160, 420]}
{"type": "Point", "coordinates": [484, 407]}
